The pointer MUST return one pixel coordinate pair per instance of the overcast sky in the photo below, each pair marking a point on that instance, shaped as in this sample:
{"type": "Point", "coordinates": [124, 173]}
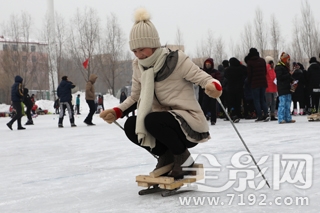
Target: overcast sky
{"type": "Point", "coordinates": [194, 18]}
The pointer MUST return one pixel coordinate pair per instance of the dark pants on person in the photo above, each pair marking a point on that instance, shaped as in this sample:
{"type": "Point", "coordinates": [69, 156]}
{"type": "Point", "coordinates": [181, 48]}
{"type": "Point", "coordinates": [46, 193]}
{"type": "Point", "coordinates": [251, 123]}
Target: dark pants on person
{"type": "Point", "coordinates": [78, 109]}
{"type": "Point", "coordinates": [63, 107]}
{"type": "Point", "coordinates": [307, 101]}
{"type": "Point", "coordinates": [315, 100]}
{"type": "Point", "coordinates": [92, 109]}
{"type": "Point", "coordinates": [28, 113]}
{"type": "Point", "coordinates": [234, 100]}
{"type": "Point", "coordinates": [259, 100]}
{"type": "Point", "coordinates": [18, 115]}
{"type": "Point", "coordinates": [224, 101]}
{"type": "Point", "coordinates": [248, 108]}
{"type": "Point", "coordinates": [165, 129]}
{"type": "Point", "coordinates": [209, 105]}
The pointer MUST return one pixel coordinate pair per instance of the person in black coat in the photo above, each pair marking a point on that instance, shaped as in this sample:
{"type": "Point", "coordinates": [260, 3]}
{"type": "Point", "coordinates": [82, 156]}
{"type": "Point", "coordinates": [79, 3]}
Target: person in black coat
{"type": "Point", "coordinates": [16, 98]}
{"type": "Point", "coordinates": [209, 105]}
{"type": "Point", "coordinates": [248, 106]}
{"type": "Point", "coordinates": [314, 82]}
{"type": "Point", "coordinates": [306, 93]}
{"type": "Point", "coordinates": [298, 95]}
{"type": "Point", "coordinates": [64, 94]}
{"type": "Point", "coordinates": [257, 78]}
{"type": "Point", "coordinates": [123, 97]}
{"type": "Point", "coordinates": [284, 81]}
{"type": "Point", "coordinates": [28, 103]}
{"type": "Point", "coordinates": [235, 75]}
{"type": "Point", "coordinates": [56, 106]}
{"type": "Point", "coordinates": [223, 82]}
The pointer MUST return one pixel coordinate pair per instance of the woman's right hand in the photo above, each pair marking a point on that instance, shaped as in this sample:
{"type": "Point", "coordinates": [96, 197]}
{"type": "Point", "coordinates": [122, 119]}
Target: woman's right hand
{"type": "Point", "coordinates": [110, 115]}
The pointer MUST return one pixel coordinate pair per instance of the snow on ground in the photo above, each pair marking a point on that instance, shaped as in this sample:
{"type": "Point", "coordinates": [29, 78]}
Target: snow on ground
{"type": "Point", "coordinates": [93, 169]}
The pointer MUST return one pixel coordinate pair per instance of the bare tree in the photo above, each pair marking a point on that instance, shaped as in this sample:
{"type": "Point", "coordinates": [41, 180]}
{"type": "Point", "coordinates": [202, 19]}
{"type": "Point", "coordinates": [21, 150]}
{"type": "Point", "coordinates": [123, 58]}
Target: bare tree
{"type": "Point", "coordinates": [247, 38]}
{"type": "Point", "coordinates": [275, 36]}
{"type": "Point", "coordinates": [20, 55]}
{"type": "Point", "coordinates": [62, 43]}
{"type": "Point", "coordinates": [179, 39]}
{"type": "Point", "coordinates": [234, 48]}
{"type": "Point", "coordinates": [219, 53]}
{"type": "Point", "coordinates": [84, 40]}
{"type": "Point", "coordinates": [261, 35]}
{"type": "Point", "coordinates": [15, 60]}
{"type": "Point", "coordinates": [113, 50]}
{"type": "Point", "coordinates": [237, 50]}
{"type": "Point", "coordinates": [54, 48]}
{"type": "Point", "coordinates": [296, 46]}
{"type": "Point", "coordinates": [309, 33]}
{"type": "Point", "coordinates": [207, 48]}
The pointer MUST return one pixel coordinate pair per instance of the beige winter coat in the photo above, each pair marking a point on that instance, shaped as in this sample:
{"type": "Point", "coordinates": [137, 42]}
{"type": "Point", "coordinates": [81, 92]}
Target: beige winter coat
{"type": "Point", "coordinates": [90, 92]}
{"type": "Point", "coordinates": [176, 94]}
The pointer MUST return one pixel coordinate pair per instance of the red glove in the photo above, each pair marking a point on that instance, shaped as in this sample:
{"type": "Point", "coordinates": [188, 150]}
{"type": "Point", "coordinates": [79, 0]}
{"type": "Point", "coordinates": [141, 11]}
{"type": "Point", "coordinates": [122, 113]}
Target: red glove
{"type": "Point", "coordinates": [214, 89]}
{"type": "Point", "coordinates": [110, 115]}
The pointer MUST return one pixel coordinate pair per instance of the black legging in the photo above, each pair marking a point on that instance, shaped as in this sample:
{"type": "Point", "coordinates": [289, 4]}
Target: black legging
{"type": "Point", "coordinates": [92, 109]}
{"type": "Point", "coordinates": [315, 100]}
{"type": "Point", "coordinates": [18, 115]}
{"type": "Point", "coordinates": [28, 112]}
{"type": "Point", "coordinates": [209, 105]}
{"type": "Point", "coordinates": [165, 128]}
{"type": "Point", "coordinates": [234, 101]}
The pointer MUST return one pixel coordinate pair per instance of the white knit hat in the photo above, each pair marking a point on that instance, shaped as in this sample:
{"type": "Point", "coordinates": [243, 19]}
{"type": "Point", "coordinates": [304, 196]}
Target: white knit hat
{"type": "Point", "coordinates": [143, 32]}
{"type": "Point", "coordinates": [268, 59]}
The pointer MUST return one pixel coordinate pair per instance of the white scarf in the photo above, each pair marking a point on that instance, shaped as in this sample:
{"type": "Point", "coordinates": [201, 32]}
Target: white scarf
{"type": "Point", "coordinates": [154, 64]}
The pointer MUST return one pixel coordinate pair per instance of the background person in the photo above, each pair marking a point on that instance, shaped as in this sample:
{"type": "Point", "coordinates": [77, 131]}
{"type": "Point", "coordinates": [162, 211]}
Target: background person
{"type": "Point", "coordinates": [16, 99]}
{"type": "Point", "coordinates": [64, 94]}
{"type": "Point", "coordinates": [90, 98]}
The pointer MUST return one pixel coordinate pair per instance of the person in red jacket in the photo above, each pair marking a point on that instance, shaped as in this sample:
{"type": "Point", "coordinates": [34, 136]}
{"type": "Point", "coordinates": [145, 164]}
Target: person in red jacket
{"type": "Point", "coordinates": [271, 90]}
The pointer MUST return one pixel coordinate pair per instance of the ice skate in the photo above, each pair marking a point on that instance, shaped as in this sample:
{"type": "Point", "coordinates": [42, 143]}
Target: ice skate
{"type": "Point", "coordinates": [168, 186]}
{"type": "Point", "coordinates": [314, 117]}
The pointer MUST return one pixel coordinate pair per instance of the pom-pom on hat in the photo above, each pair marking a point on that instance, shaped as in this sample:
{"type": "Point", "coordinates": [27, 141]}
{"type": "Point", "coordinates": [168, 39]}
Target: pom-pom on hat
{"type": "Point", "coordinates": [285, 57]}
{"type": "Point", "coordinates": [143, 33]}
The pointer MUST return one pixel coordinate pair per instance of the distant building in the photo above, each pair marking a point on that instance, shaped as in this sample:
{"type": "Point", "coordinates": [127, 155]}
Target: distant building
{"type": "Point", "coordinates": [27, 58]}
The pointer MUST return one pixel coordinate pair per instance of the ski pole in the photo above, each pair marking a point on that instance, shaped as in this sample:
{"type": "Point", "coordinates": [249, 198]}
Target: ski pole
{"type": "Point", "coordinates": [118, 125]}
{"type": "Point", "coordinates": [123, 130]}
{"type": "Point", "coordinates": [218, 99]}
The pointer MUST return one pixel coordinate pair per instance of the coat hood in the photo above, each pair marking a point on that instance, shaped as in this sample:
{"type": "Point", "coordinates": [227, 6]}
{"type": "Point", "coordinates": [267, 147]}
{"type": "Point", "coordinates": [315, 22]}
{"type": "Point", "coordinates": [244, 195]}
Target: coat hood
{"type": "Point", "coordinates": [234, 62]}
{"type": "Point", "coordinates": [253, 52]}
{"type": "Point", "coordinates": [210, 60]}
{"type": "Point", "coordinates": [268, 59]}
{"type": "Point", "coordinates": [93, 78]}
{"type": "Point", "coordinates": [18, 79]}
